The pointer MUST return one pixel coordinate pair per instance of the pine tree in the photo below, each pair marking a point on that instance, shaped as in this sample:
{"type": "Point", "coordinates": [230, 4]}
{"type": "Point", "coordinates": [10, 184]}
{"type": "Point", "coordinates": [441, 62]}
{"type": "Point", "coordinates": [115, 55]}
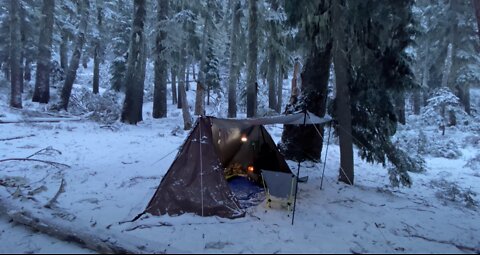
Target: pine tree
{"type": "Point", "coordinates": [299, 142]}
{"type": "Point", "coordinates": [120, 25]}
{"type": "Point", "coordinates": [381, 73]}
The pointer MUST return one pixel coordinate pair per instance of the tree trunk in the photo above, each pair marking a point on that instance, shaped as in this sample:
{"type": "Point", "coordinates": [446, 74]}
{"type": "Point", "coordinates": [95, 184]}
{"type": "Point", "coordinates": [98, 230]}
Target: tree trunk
{"type": "Point", "coordinates": [448, 67]}
{"type": "Point", "coordinates": [160, 91]}
{"type": "Point", "coordinates": [476, 7]}
{"type": "Point", "coordinates": [278, 108]}
{"type": "Point", "coordinates": [198, 101]}
{"type": "Point", "coordinates": [200, 96]}
{"type": "Point", "coordinates": [97, 52]}
{"type": "Point", "coordinates": [301, 143]}
{"type": "Point", "coordinates": [234, 65]}
{"type": "Point", "coordinates": [84, 57]}
{"type": "Point", "coordinates": [252, 85]}
{"type": "Point", "coordinates": [272, 61]}
{"type": "Point", "coordinates": [271, 76]}
{"type": "Point", "coordinates": [417, 97]}
{"type": "Point", "coordinates": [181, 75]}
{"type": "Point", "coordinates": [27, 74]}
{"type": "Point", "coordinates": [64, 49]}
{"type": "Point", "coordinates": [132, 106]}
{"type": "Point", "coordinates": [342, 81]}
{"type": "Point", "coordinates": [41, 93]}
{"type": "Point", "coordinates": [187, 117]}
{"type": "Point", "coordinates": [179, 95]}
{"type": "Point", "coordinates": [466, 99]}
{"type": "Point", "coordinates": [173, 74]}
{"type": "Point", "coordinates": [15, 55]}
{"type": "Point", "coordinates": [193, 72]}
{"type": "Point", "coordinates": [187, 78]}
{"type": "Point", "coordinates": [75, 59]}
{"type": "Point", "coordinates": [400, 108]}
{"type": "Point", "coordinates": [294, 90]}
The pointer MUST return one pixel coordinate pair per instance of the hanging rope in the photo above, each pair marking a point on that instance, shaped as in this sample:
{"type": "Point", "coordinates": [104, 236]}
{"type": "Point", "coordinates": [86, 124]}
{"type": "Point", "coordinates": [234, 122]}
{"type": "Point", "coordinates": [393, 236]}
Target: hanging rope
{"type": "Point", "coordinates": [201, 164]}
{"type": "Point", "coordinates": [176, 149]}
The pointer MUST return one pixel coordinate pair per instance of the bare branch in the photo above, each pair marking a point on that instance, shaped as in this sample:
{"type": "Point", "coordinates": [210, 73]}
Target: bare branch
{"type": "Point", "coordinates": [52, 201]}
{"type": "Point", "coordinates": [52, 163]}
{"type": "Point", "coordinates": [47, 149]}
{"type": "Point", "coordinates": [16, 137]}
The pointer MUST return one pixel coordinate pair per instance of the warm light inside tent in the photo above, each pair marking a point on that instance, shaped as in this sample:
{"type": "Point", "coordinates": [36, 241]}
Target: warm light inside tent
{"type": "Point", "coordinates": [244, 138]}
{"type": "Point", "coordinates": [250, 169]}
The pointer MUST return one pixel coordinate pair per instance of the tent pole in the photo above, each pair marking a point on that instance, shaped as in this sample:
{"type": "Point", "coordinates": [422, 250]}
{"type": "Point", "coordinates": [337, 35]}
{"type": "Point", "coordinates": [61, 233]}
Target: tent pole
{"type": "Point", "coordinates": [298, 172]}
{"type": "Point", "coordinates": [326, 153]}
{"type": "Point", "coordinates": [201, 162]}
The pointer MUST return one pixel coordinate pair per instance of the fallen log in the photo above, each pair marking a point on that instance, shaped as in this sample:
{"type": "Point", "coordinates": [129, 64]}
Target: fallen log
{"type": "Point", "coordinates": [30, 120]}
{"type": "Point", "coordinates": [33, 215]}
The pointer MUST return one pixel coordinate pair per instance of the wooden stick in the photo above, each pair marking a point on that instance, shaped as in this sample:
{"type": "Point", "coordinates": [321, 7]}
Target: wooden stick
{"type": "Point", "coordinates": [54, 199]}
{"type": "Point", "coordinates": [52, 163]}
{"type": "Point", "coordinates": [38, 120]}
{"type": "Point", "coordinates": [16, 137]}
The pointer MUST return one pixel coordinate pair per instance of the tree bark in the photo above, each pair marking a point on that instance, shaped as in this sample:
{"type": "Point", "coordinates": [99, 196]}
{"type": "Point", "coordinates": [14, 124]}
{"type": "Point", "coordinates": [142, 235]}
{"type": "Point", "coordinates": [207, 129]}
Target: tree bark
{"type": "Point", "coordinates": [187, 117]}
{"type": "Point", "coordinates": [400, 108]}
{"type": "Point", "coordinates": [75, 59]}
{"type": "Point", "coordinates": [199, 95]}
{"type": "Point", "coordinates": [173, 74]}
{"type": "Point", "coordinates": [64, 49]}
{"type": "Point", "coordinates": [27, 74]}
{"type": "Point", "coordinates": [181, 75]}
{"type": "Point", "coordinates": [97, 52]}
{"type": "Point", "coordinates": [133, 104]}
{"type": "Point", "coordinates": [271, 79]}
{"type": "Point", "coordinates": [41, 93]}
{"type": "Point", "coordinates": [295, 90]}
{"type": "Point", "coordinates": [272, 61]}
{"type": "Point", "coordinates": [342, 81]}
{"type": "Point", "coordinates": [417, 97]}
{"type": "Point", "coordinates": [476, 7]}
{"type": "Point", "coordinates": [234, 65]}
{"type": "Point", "coordinates": [15, 55]}
{"type": "Point", "coordinates": [252, 85]}
{"type": "Point", "coordinates": [278, 107]}
{"type": "Point", "coordinates": [160, 90]}
{"type": "Point", "coordinates": [199, 108]}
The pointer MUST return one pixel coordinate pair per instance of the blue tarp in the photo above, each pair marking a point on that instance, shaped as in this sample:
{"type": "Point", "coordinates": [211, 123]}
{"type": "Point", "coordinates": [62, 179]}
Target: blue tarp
{"type": "Point", "coordinates": [247, 192]}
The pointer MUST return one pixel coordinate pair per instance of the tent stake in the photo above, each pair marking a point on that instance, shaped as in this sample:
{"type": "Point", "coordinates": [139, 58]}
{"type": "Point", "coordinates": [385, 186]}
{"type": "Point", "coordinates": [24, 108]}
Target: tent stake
{"type": "Point", "coordinates": [298, 172]}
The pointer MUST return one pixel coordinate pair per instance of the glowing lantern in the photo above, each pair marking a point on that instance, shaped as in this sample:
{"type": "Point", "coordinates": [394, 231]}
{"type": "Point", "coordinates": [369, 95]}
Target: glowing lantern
{"type": "Point", "coordinates": [250, 169]}
{"type": "Point", "coordinates": [244, 138]}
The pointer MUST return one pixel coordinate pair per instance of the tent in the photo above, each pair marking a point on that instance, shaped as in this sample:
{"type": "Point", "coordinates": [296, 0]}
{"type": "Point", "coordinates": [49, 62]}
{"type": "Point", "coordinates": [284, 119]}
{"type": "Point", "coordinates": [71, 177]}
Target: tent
{"type": "Point", "coordinates": [214, 150]}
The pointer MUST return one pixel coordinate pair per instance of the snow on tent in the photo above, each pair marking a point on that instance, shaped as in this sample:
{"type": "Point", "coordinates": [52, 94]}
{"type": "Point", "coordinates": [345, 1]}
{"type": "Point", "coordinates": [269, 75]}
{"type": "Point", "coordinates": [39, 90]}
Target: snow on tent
{"type": "Point", "coordinates": [215, 150]}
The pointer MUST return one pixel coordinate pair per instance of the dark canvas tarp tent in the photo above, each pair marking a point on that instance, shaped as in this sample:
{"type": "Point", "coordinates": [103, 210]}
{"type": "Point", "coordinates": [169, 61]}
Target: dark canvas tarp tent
{"type": "Point", "coordinates": [196, 183]}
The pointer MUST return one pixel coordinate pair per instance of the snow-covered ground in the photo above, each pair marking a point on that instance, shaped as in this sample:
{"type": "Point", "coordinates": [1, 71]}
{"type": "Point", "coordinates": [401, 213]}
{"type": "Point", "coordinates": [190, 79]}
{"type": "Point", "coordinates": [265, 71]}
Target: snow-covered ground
{"type": "Point", "coordinates": [114, 171]}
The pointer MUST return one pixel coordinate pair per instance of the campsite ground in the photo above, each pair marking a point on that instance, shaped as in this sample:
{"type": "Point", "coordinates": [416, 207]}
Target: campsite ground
{"type": "Point", "coordinates": [114, 170]}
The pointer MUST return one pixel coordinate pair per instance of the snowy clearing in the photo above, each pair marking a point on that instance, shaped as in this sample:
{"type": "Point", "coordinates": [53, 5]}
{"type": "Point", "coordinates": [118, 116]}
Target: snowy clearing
{"type": "Point", "coordinates": [114, 171]}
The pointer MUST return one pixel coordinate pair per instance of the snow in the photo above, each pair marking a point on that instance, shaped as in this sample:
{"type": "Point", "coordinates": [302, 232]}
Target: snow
{"type": "Point", "coordinates": [116, 168]}
{"type": "Point", "coordinates": [114, 172]}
